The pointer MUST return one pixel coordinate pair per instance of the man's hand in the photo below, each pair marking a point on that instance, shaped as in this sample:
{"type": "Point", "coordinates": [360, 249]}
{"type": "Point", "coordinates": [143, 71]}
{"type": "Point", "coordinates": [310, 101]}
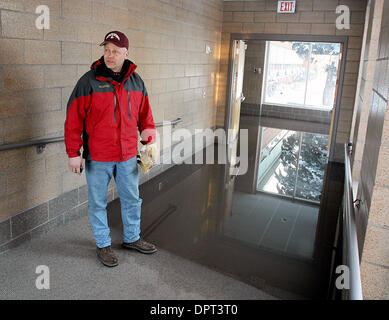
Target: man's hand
{"type": "Point", "coordinates": [75, 164]}
{"type": "Point", "coordinates": [152, 151]}
{"type": "Point", "coordinates": [149, 155]}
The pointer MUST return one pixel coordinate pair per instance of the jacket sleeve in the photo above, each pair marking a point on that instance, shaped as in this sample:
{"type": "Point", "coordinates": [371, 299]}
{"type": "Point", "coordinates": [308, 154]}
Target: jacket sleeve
{"type": "Point", "coordinates": [77, 108]}
{"type": "Point", "coordinates": [146, 123]}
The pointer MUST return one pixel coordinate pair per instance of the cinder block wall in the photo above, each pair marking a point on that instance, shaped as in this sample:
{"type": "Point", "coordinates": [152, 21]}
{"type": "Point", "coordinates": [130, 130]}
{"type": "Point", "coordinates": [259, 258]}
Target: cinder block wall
{"type": "Point", "coordinates": [252, 82]}
{"type": "Point", "coordinates": [39, 68]}
{"type": "Point", "coordinates": [373, 188]}
{"type": "Point", "coordinates": [362, 187]}
{"type": "Point", "coordinates": [364, 91]}
{"type": "Point", "coordinates": [312, 17]}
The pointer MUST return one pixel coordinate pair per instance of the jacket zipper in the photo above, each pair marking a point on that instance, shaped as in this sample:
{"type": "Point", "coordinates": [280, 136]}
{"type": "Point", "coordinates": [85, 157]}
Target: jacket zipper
{"type": "Point", "coordinates": [129, 106]}
{"type": "Point", "coordinates": [114, 111]}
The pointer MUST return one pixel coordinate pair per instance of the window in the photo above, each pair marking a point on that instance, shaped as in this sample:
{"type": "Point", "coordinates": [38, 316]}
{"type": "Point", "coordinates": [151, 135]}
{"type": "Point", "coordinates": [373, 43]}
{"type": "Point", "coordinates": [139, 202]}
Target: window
{"type": "Point", "coordinates": [301, 74]}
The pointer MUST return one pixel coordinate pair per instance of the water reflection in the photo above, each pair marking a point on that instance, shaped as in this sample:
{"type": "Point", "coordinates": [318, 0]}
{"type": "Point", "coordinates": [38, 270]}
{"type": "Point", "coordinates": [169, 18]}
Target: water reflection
{"type": "Point", "coordinates": [292, 163]}
{"type": "Point", "coordinates": [274, 224]}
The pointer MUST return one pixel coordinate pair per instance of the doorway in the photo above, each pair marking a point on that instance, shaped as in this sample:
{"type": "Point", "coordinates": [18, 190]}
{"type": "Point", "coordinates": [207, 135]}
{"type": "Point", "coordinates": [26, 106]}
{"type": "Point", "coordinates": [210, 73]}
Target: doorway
{"type": "Point", "coordinates": [289, 77]}
{"type": "Point", "coordinates": [290, 110]}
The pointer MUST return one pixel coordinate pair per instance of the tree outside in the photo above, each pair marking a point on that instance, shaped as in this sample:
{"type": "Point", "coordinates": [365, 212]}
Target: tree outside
{"type": "Point", "coordinates": [311, 165]}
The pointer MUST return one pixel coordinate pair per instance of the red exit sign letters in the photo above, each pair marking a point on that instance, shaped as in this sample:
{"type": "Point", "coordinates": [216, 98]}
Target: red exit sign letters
{"type": "Point", "coordinates": [286, 6]}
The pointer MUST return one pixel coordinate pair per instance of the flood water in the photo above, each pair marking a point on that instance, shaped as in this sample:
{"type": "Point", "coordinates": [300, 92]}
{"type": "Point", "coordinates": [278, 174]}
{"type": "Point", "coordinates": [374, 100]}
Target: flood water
{"type": "Point", "coordinates": [202, 213]}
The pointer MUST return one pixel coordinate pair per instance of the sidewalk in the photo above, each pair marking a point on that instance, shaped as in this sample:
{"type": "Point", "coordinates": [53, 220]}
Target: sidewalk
{"type": "Point", "coordinates": [75, 272]}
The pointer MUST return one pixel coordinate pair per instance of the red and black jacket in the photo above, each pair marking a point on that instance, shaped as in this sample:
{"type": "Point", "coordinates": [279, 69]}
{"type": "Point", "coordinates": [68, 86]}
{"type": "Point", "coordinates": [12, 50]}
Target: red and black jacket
{"type": "Point", "coordinates": [108, 114]}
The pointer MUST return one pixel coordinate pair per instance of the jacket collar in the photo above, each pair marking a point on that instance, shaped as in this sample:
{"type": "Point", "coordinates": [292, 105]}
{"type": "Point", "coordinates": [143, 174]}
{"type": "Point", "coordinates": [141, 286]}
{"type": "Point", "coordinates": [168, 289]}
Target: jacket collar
{"type": "Point", "coordinates": [105, 74]}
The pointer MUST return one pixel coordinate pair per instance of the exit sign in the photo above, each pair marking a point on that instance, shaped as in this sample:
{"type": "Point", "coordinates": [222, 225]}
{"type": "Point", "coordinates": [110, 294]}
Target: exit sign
{"type": "Point", "coordinates": [286, 6]}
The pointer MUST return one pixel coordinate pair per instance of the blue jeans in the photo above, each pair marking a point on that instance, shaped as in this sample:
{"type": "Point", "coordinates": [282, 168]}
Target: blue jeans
{"type": "Point", "coordinates": [98, 176]}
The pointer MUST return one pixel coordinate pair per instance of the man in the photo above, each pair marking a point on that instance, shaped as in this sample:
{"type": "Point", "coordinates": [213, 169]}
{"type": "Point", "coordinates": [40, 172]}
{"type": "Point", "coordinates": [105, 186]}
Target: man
{"type": "Point", "coordinates": [107, 107]}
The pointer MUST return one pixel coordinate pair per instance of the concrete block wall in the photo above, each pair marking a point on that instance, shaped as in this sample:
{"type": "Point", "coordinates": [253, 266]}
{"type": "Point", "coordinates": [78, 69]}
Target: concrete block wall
{"type": "Point", "coordinates": [252, 82]}
{"type": "Point", "coordinates": [364, 90]}
{"type": "Point", "coordinates": [39, 68]}
{"type": "Point", "coordinates": [363, 189]}
{"type": "Point", "coordinates": [312, 17]}
{"type": "Point", "coordinates": [373, 188]}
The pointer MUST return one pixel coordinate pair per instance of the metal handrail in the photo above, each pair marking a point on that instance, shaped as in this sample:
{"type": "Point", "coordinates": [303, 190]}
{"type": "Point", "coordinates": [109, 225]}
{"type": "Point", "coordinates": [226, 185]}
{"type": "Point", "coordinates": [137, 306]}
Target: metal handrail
{"type": "Point", "coordinates": [41, 143]}
{"type": "Point", "coordinates": [350, 255]}
{"type": "Point", "coordinates": [173, 122]}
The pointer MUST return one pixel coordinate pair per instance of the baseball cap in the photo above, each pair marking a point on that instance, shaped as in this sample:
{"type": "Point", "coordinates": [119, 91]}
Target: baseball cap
{"type": "Point", "coordinates": [117, 38]}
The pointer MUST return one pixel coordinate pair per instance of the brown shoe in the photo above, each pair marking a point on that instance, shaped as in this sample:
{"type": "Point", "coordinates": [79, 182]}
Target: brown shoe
{"type": "Point", "coordinates": [107, 256]}
{"type": "Point", "coordinates": [140, 245]}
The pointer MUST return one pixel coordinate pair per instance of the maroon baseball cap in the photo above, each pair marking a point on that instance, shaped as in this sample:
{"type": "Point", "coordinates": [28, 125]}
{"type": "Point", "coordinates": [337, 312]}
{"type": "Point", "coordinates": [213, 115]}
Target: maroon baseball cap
{"type": "Point", "coordinates": [117, 38]}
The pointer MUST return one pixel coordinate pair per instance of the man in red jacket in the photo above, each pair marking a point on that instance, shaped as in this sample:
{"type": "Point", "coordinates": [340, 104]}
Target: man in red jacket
{"type": "Point", "coordinates": [107, 107]}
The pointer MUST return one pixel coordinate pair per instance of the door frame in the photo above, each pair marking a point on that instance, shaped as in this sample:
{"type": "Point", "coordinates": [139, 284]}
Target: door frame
{"type": "Point", "coordinates": [290, 37]}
